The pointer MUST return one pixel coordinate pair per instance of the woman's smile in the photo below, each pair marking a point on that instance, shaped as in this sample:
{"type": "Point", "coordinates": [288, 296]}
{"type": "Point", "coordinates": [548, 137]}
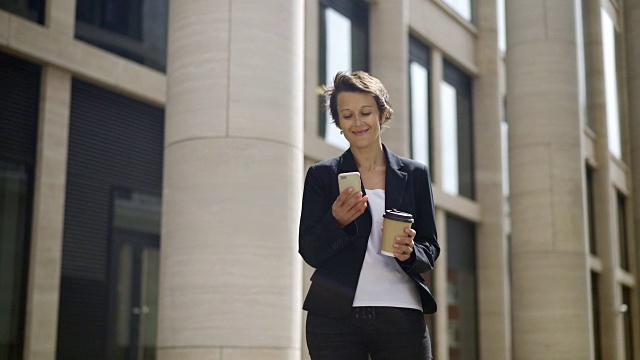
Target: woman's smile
{"type": "Point", "coordinates": [359, 119]}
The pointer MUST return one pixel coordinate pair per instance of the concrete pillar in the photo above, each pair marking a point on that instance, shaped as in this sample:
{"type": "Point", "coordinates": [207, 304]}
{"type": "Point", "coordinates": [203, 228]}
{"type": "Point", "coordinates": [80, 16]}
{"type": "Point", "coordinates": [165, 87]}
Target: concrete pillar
{"type": "Point", "coordinates": [389, 46]}
{"type": "Point", "coordinates": [230, 281]}
{"type": "Point", "coordinates": [550, 292]}
{"type": "Point", "coordinates": [493, 256]}
{"type": "Point", "coordinates": [43, 289]}
{"type": "Point", "coordinates": [632, 35]}
{"type": "Point", "coordinates": [436, 77]}
{"type": "Point", "coordinates": [60, 16]}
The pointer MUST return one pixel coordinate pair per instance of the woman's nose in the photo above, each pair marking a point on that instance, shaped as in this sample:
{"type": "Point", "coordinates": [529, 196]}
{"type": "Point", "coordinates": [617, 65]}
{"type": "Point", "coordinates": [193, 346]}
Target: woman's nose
{"type": "Point", "coordinates": [359, 119]}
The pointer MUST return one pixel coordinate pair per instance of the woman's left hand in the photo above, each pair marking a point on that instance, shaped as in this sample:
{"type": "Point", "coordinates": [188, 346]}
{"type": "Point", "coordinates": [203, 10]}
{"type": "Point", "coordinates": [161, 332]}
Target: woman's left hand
{"type": "Point", "coordinates": [404, 245]}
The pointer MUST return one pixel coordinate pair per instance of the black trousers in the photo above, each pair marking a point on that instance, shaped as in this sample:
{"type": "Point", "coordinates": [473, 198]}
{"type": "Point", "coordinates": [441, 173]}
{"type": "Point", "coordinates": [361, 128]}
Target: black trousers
{"type": "Point", "coordinates": [384, 333]}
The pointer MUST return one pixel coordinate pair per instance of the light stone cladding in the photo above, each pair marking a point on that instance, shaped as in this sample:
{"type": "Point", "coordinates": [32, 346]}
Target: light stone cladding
{"type": "Point", "coordinates": [43, 287]}
{"type": "Point", "coordinates": [492, 234]}
{"type": "Point", "coordinates": [230, 272]}
{"type": "Point", "coordinates": [241, 94]}
{"type": "Point", "coordinates": [632, 33]}
{"type": "Point", "coordinates": [550, 284]}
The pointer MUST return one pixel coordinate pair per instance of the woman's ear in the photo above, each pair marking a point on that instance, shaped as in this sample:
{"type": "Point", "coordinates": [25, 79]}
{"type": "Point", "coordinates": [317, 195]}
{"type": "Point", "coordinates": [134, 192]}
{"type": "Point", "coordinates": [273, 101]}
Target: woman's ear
{"type": "Point", "coordinates": [384, 118]}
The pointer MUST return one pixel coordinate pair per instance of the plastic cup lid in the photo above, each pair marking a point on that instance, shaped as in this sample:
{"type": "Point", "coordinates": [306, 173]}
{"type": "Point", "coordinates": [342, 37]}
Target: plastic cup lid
{"type": "Point", "coordinates": [398, 215]}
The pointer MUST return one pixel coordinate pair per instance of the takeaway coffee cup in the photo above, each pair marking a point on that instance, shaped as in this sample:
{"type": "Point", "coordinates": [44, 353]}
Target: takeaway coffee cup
{"type": "Point", "coordinates": [393, 226]}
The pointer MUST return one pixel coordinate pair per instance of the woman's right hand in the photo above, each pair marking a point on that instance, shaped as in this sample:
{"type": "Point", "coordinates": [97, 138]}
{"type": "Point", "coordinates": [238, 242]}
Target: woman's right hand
{"type": "Point", "coordinates": [348, 207]}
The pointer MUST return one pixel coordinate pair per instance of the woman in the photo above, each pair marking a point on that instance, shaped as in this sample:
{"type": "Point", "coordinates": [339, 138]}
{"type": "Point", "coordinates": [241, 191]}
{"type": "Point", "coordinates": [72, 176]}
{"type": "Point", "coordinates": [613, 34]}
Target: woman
{"type": "Point", "coordinates": [362, 303]}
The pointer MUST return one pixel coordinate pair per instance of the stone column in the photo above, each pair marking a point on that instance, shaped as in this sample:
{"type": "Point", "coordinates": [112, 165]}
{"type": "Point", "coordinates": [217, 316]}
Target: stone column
{"type": "Point", "coordinates": [43, 289]}
{"type": "Point", "coordinates": [439, 335]}
{"type": "Point", "coordinates": [632, 35]}
{"type": "Point", "coordinates": [230, 281]}
{"type": "Point", "coordinates": [550, 292]}
{"type": "Point", "coordinates": [60, 16]}
{"type": "Point", "coordinates": [389, 46]}
{"type": "Point", "coordinates": [494, 324]}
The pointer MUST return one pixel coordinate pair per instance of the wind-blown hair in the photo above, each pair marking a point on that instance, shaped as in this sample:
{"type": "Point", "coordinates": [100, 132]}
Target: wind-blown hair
{"type": "Point", "coordinates": [358, 81]}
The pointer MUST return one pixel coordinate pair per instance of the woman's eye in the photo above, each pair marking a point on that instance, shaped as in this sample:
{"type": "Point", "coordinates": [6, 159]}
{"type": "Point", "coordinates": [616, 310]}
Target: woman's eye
{"type": "Point", "coordinates": [347, 117]}
{"type": "Point", "coordinates": [366, 114]}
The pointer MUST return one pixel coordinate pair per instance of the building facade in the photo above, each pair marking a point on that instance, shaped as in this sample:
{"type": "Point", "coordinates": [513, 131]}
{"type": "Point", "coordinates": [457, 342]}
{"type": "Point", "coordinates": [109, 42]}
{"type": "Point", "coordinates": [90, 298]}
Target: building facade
{"type": "Point", "coordinates": [152, 155]}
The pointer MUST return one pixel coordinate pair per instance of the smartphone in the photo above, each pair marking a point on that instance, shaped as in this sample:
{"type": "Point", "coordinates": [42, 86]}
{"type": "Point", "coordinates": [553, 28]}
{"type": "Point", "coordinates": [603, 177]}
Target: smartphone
{"type": "Point", "coordinates": [350, 179]}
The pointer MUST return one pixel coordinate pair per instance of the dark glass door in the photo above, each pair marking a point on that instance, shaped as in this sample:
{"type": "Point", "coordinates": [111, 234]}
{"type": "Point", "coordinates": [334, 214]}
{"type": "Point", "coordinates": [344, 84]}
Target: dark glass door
{"type": "Point", "coordinates": [136, 295]}
{"type": "Point", "coordinates": [134, 274]}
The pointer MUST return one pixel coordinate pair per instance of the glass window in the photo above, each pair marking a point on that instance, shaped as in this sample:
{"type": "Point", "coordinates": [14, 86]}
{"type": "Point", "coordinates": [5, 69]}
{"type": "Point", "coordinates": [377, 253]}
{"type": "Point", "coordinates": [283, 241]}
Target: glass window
{"type": "Point", "coordinates": [591, 211]}
{"type": "Point", "coordinates": [504, 139]}
{"type": "Point", "coordinates": [135, 29]}
{"type": "Point", "coordinates": [623, 241]}
{"type": "Point", "coordinates": [463, 7]}
{"type": "Point", "coordinates": [456, 133]}
{"type": "Point", "coordinates": [627, 323]}
{"type": "Point", "coordinates": [344, 37]}
{"type": "Point", "coordinates": [595, 313]}
{"type": "Point", "coordinates": [30, 9]}
{"type": "Point", "coordinates": [109, 260]}
{"type": "Point", "coordinates": [581, 44]}
{"type": "Point", "coordinates": [611, 84]}
{"type": "Point", "coordinates": [14, 252]}
{"type": "Point", "coordinates": [19, 106]}
{"type": "Point", "coordinates": [419, 102]}
{"type": "Point", "coordinates": [586, 59]}
{"type": "Point", "coordinates": [502, 27]}
{"type": "Point", "coordinates": [462, 307]}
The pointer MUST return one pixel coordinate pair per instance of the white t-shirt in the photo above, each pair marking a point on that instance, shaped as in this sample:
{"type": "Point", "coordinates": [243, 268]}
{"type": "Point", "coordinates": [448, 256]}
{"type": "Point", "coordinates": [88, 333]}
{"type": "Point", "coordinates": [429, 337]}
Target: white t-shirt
{"type": "Point", "coordinates": [382, 281]}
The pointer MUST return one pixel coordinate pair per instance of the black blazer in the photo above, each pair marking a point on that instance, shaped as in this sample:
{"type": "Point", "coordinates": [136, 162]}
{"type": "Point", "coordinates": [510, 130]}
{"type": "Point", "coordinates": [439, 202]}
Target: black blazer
{"type": "Point", "coordinates": [337, 253]}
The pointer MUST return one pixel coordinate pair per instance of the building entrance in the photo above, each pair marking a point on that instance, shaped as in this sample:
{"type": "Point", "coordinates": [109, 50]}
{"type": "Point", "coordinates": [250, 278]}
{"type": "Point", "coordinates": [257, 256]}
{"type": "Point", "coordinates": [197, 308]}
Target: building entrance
{"type": "Point", "coordinates": [135, 295]}
{"type": "Point", "coordinates": [134, 273]}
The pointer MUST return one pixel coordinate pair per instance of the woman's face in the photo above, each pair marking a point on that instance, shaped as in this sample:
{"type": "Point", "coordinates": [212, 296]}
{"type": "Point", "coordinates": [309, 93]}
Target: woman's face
{"type": "Point", "coordinates": [359, 119]}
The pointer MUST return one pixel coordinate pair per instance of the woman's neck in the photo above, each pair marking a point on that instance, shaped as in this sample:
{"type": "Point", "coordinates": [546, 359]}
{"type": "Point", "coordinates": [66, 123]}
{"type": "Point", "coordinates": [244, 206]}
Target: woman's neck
{"type": "Point", "coordinates": [369, 158]}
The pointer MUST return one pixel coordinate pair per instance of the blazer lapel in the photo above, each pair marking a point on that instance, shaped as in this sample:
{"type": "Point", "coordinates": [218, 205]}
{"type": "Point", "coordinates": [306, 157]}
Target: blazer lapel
{"type": "Point", "coordinates": [347, 162]}
{"type": "Point", "coordinates": [396, 181]}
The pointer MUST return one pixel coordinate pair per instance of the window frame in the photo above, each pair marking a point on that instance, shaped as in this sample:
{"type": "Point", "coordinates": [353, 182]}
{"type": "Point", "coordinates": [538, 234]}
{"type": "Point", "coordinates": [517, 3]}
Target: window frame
{"type": "Point", "coordinates": [470, 228]}
{"type": "Point", "coordinates": [421, 54]}
{"type": "Point", "coordinates": [18, 8]}
{"type": "Point", "coordinates": [622, 221]}
{"type": "Point", "coordinates": [357, 11]}
{"type": "Point", "coordinates": [131, 44]}
{"type": "Point", "coordinates": [463, 84]}
{"type": "Point", "coordinates": [452, 4]}
{"type": "Point", "coordinates": [591, 208]}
